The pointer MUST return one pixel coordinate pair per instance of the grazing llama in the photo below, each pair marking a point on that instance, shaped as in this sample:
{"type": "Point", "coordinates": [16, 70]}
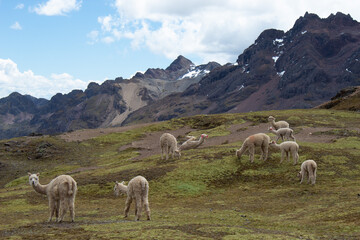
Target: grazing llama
{"type": "Point", "coordinates": [61, 192]}
{"type": "Point", "coordinates": [138, 190]}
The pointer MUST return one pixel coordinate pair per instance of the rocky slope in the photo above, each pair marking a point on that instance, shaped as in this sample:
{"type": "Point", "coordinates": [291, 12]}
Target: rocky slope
{"type": "Point", "coordinates": [346, 99]}
{"type": "Point", "coordinates": [103, 105]}
{"type": "Point", "coordinates": [300, 68]}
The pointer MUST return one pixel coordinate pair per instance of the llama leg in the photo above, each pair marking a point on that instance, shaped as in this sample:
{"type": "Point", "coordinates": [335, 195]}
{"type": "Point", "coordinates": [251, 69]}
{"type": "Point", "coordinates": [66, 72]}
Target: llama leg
{"type": "Point", "coordinates": [52, 208]}
{"type": "Point", "coordinates": [167, 153]}
{"type": "Point", "coordinates": [252, 153]}
{"type": "Point", "coordinates": [266, 151]}
{"type": "Point", "coordinates": [302, 177]}
{"type": "Point", "coordinates": [147, 209]}
{"type": "Point", "coordinates": [63, 206]}
{"type": "Point", "coordinates": [314, 177]}
{"type": "Point", "coordinates": [72, 208]}
{"type": "Point", "coordinates": [57, 207]}
{"type": "Point", "coordinates": [296, 157]}
{"type": "Point", "coordinates": [162, 153]}
{"type": "Point", "coordinates": [127, 206]}
{"type": "Point", "coordinates": [172, 153]}
{"type": "Point", "coordinates": [262, 152]}
{"type": "Point", "coordinates": [282, 156]}
{"type": "Point", "coordinates": [138, 209]}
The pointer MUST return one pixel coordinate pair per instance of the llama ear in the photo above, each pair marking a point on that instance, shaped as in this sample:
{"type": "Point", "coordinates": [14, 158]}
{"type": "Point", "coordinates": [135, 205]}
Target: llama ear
{"type": "Point", "coordinates": [122, 182]}
{"type": "Point", "coordinates": [37, 174]}
{"type": "Point", "coordinates": [29, 173]}
{"type": "Point", "coordinates": [116, 182]}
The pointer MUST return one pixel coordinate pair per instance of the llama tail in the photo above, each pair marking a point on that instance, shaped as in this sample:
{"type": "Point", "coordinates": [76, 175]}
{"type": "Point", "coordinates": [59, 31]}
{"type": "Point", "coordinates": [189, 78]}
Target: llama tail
{"type": "Point", "coordinates": [143, 186]}
{"type": "Point", "coordinates": [72, 187]}
{"type": "Point", "coordinates": [145, 191]}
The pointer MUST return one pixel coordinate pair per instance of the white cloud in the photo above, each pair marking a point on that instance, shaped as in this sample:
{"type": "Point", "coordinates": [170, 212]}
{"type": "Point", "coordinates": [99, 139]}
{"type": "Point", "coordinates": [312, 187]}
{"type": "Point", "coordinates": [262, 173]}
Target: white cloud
{"type": "Point", "coordinates": [20, 6]}
{"type": "Point", "coordinates": [12, 79]}
{"type": "Point", "coordinates": [57, 7]}
{"type": "Point", "coordinates": [93, 37]}
{"type": "Point", "coordinates": [108, 39]}
{"type": "Point", "coordinates": [16, 26]}
{"type": "Point", "coordinates": [211, 29]}
{"type": "Point", "coordinates": [106, 23]}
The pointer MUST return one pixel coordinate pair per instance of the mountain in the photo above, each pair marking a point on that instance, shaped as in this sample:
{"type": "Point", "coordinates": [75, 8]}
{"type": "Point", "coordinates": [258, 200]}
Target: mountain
{"type": "Point", "coordinates": [108, 104]}
{"type": "Point", "coordinates": [300, 68]}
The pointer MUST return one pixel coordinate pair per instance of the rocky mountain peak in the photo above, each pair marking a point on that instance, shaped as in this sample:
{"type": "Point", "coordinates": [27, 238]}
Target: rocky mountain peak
{"type": "Point", "coordinates": [341, 19]}
{"type": "Point", "coordinates": [179, 63]}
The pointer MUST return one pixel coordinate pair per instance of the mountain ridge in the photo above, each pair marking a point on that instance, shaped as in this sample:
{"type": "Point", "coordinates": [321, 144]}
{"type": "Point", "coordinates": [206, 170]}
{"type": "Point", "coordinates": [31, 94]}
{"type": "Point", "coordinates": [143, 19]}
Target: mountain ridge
{"type": "Point", "coordinates": [99, 105]}
{"type": "Point", "coordinates": [300, 68]}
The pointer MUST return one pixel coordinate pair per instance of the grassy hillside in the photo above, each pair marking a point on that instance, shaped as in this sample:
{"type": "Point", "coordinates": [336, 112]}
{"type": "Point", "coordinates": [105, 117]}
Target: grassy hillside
{"type": "Point", "coordinates": [206, 194]}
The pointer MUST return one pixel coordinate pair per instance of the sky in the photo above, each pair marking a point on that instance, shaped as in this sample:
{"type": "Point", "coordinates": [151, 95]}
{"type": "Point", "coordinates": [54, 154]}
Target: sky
{"type": "Point", "coordinates": [56, 46]}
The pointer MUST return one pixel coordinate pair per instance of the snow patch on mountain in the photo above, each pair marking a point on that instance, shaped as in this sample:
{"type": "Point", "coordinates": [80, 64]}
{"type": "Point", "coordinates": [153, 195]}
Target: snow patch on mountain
{"type": "Point", "coordinates": [194, 72]}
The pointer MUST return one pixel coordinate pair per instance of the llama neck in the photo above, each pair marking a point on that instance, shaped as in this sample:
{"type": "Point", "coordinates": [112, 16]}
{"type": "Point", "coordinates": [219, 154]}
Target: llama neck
{"type": "Point", "coordinates": [200, 141]}
{"type": "Point", "coordinates": [40, 188]}
{"type": "Point", "coordinates": [273, 131]}
{"type": "Point", "coordinates": [123, 188]}
{"type": "Point", "coordinates": [275, 145]}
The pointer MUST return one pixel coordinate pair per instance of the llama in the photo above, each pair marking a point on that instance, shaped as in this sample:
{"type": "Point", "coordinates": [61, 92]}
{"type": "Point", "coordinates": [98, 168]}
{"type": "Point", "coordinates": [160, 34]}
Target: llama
{"type": "Point", "coordinates": [168, 144]}
{"type": "Point", "coordinates": [279, 124]}
{"type": "Point", "coordinates": [283, 133]}
{"type": "Point", "coordinates": [287, 147]}
{"type": "Point", "coordinates": [61, 192]}
{"type": "Point", "coordinates": [309, 168]}
{"type": "Point", "coordinates": [138, 190]}
{"type": "Point", "coordinates": [257, 140]}
{"type": "Point", "coordinates": [191, 143]}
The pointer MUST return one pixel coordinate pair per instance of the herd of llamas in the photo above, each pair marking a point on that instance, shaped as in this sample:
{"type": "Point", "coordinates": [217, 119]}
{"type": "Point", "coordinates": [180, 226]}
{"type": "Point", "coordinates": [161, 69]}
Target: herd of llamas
{"type": "Point", "coordinates": [61, 191]}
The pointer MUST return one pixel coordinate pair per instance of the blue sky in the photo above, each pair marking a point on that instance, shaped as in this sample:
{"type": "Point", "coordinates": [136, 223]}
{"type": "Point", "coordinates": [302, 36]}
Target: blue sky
{"type": "Point", "coordinates": [51, 46]}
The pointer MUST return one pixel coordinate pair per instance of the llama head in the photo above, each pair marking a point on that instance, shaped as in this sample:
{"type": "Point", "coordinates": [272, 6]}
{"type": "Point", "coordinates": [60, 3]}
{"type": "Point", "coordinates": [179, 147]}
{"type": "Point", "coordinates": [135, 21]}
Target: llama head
{"type": "Point", "coordinates": [33, 179]}
{"type": "Point", "coordinates": [177, 153]}
{"type": "Point", "coordinates": [271, 118]}
{"type": "Point", "coordinates": [237, 153]}
{"type": "Point", "coordinates": [117, 188]}
{"type": "Point", "coordinates": [204, 135]}
{"type": "Point", "coordinates": [299, 175]}
{"type": "Point", "coordinates": [272, 143]}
